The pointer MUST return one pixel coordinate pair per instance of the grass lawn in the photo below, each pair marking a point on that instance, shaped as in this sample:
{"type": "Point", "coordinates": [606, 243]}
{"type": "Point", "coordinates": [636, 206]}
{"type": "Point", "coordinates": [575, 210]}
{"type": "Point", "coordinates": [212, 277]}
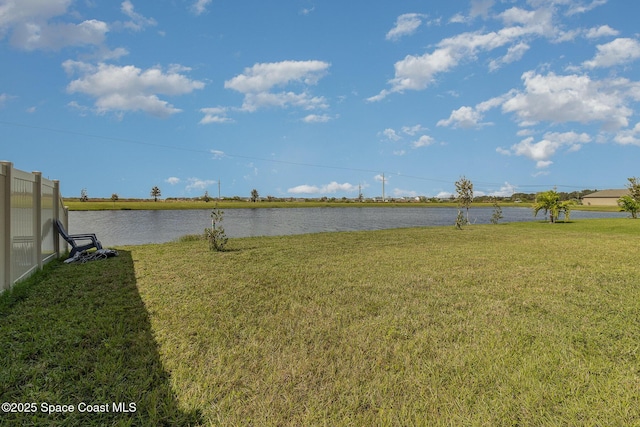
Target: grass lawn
{"type": "Point", "coordinates": [512, 324]}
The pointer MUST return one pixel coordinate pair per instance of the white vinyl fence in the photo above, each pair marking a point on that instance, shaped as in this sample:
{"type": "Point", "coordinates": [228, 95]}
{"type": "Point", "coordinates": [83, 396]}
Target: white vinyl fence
{"type": "Point", "coordinates": [29, 204]}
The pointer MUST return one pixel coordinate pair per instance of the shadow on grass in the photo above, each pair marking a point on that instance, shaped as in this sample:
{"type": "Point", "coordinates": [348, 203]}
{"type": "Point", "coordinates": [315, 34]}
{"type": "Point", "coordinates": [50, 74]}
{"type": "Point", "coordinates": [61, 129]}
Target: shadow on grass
{"type": "Point", "coordinates": [79, 335]}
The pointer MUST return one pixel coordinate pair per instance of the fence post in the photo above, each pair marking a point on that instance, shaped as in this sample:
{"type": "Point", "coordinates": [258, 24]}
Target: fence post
{"type": "Point", "coordinates": [37, 217]}
{"type": "Point", "coordinates": [6, 229]}
{"type": "Point", "coordinates": [56, 216]}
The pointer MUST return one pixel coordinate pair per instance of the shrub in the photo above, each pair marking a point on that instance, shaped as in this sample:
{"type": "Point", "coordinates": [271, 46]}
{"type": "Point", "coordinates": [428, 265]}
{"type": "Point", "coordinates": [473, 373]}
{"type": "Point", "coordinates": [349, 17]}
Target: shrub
{"type": "Point", "coordinates": [216, 235]}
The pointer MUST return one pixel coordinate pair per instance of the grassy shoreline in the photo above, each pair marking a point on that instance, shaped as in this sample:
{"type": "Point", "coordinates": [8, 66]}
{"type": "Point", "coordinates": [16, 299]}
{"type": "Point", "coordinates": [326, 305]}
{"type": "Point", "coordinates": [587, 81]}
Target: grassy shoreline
{"type": "Point", "coordinates": [520, 323]}
{"type": "Point", "coordinates": [97, 205]}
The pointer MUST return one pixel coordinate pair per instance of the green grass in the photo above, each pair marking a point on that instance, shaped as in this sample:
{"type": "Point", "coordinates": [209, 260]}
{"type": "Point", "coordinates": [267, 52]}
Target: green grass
{"type": "Point", "coordinates": [81, 333]}
{"type": "Point", "coordinates": [514, 324]}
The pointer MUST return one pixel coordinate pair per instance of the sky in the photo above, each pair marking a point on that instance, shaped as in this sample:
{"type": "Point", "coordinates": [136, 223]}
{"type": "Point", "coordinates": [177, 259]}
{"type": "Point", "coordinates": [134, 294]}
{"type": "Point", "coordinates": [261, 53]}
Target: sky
{"type": "Point", "coordinates": [310, 98]}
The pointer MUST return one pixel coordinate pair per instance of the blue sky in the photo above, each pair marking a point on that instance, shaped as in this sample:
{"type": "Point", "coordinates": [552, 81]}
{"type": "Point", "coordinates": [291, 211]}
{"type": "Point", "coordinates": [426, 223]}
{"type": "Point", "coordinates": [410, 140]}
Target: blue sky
{"type": "Point", "coordinates": [304, 98]}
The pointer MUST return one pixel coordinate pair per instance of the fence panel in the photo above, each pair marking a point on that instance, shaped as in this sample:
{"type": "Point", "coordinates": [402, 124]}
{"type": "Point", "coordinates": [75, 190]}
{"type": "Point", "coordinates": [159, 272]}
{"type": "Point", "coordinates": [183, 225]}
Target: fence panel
{"type": "Point", "coordinates": [28, 207]}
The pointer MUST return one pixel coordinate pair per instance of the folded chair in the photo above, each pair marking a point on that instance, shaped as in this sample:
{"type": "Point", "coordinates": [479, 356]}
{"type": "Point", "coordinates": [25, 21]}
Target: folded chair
{"type": "Point", "coordinates": [90, 240]}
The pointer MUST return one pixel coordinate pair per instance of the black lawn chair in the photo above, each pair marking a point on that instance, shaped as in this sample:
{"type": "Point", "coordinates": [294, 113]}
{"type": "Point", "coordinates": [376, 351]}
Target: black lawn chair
{"type": "Point", "coordinates": [90, 239]}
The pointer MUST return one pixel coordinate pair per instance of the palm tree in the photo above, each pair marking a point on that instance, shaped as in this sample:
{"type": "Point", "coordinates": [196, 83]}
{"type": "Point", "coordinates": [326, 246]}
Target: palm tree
{"type": "Point", "coordinates": [549, 201]}
{"type": "Point", "coordinates": [155, 193]}
{"type": "Point", "coordinates": [254, 195]}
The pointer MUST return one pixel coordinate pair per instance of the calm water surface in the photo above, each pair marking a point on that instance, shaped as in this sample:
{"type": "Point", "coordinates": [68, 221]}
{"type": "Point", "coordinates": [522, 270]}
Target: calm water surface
{"type": "Point", "coordinates": [119, 228]}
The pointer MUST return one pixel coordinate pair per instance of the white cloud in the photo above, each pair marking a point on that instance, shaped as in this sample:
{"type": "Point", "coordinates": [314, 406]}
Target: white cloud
{"type": "Point", "coordinates": [198, 184]}
{"type": "Point", "coordinates": [406, 24]}
{"type": "Point", "coordinates": [542, 151]}
{"type": "Point", "coordinates": [330, 188]}
{"type": "Point", "coordinates": [601, 31]}
{"type": "Point", "coordinates": [481, 8]}
{"type": "Point", "coordinates": [423, 141]}
{"type": "Point", "coordinates": [32, 36]}
{"type": "Point", "coordinates": [200, 6]}
{"type": "Point", "coordinates": [29, 26]}
{"type": "Point", "coordinates": [514, 53]}
{"type": "Point", "coordinates": [257, 82]}
{"type": "Point", "coordinates": [395, 136]}
{"type": "Point", "coordinates": [572, 98]}
{"type": "Point", "coordinates": [629, 136]}
{"type": "Point", "coordinates": [215, 115]}
{"type": "Point", "coordinates": [380, 178]}
{"type": "Point", "coordinates": [506, 190]}
{"type": "Point", "coordinates": [316, 118]}
{"type": "Point", "coordinates": [307, 11]}
{"type": "Point", "coordinates": [172, 180]}
{"type": "Point", "coordinates": [413, 130]}
{"type": "Point", "coordinates": [619, 51]}
{"type": "Point", "coordinates": [418, 72]}
{"type": "Point", "coordinates": [576, 7]}
{"type": "Point", "coordinates": [444, 195]}
{"type": "Point", "coordinates": [390, 134]}
{"type": "Point", "coordinates": [263, 77]}
{"type": "Point", "coordinates": [558, 99]}
{"type": "Point", "coordinates": [217, 154]}
{"type": "Point", "coordinates": [463, 117]}
{"type": "Point", "coordinates": [128, 88]}
{"type": "Point", "coordinates": [398, 192]}
{"type": "Point", "coordinates": [4, 98]}
{"type": "Point", "coordinates": [138, 22]}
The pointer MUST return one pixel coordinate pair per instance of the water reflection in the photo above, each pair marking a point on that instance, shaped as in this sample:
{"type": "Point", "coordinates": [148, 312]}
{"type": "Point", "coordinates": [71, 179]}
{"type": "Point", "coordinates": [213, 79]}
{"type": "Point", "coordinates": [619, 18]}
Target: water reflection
{"type": "Point", "coordinates": [117, 228]}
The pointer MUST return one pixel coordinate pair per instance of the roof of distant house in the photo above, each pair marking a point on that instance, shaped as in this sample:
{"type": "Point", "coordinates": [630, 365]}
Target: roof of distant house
{"type": "Point", "coordinates": [614, 193]}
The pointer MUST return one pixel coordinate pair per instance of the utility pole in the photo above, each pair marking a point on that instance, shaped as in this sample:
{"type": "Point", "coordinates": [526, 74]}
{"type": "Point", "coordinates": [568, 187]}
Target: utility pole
{"type": "Point", "coordinates": [383, 199]}
{"type": "Point", "coordinates": [218, 189]}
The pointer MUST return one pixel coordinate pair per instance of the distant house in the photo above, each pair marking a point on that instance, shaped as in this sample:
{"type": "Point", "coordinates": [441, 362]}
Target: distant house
{"type": "Point", "coordinates": [604, 197]}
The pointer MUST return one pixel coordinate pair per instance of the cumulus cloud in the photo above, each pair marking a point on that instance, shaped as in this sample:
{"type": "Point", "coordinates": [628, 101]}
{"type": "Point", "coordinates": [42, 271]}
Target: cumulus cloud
{"type": "Point", "coordinates": [215, 115]}
{"type": "Point", "coordinates": [28, 24]}
{"type": "Point", "coordinates": [601, 31]}
{"type": "Point", "coordinates": [256, 84]}
{"type": "Point", "coordinates": [619, 51]}
{"type": "Point", "coordinates": [423, 141]}
{"type": "Point", "coordinates": [390, 134]}
{"type": "Point", "coordinates": [198, 184]}
{"type": "Point", "coordinates": [558, 99]}
{"type": "Point", "coordinates": [408, 131]}
{"type": "Point", "coordinates": [514, 53]}
{"type": "Point", "coordinates": [464, 117]}
{"type": "Point", "coordinates": [629, 136]}
{"type": "Point", "coordinates": [406, 24]}
{"type": "Point", "coordinates": [413, 130]}
{"type": "Point", "coordinates": [506, 190]}
{"type": "Point", "coordinates": [542, 151]}
{"type": "Point", "coordinates": [417, 72]}
{"type": "Point", "coordinates": [172, 180]}
{"type": "Point", "coordinates": [128, 88]}
{"type": "Point", "coordinates": [330, 188]}
{"type": "Point", "coordinates": [572, 98]}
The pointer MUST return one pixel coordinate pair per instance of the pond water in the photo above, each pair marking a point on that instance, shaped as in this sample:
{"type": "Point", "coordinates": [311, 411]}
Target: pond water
{"type": "Point", "coordinates": [136, 227]}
